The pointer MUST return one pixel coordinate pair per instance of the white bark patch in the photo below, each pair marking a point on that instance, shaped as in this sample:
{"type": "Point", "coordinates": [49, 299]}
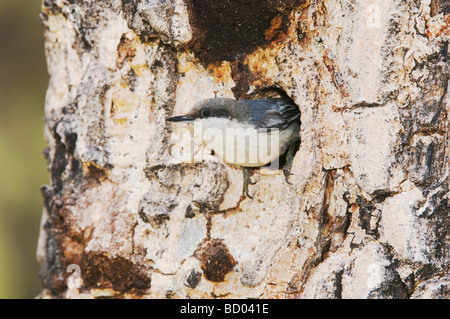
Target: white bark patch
{"type": "Point", "coordinates": [373, 141]}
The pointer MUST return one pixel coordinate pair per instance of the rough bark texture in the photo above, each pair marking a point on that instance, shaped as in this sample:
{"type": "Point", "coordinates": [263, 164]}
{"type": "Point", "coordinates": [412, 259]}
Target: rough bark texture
{"type": "Point", "coordinates": [367, 214]}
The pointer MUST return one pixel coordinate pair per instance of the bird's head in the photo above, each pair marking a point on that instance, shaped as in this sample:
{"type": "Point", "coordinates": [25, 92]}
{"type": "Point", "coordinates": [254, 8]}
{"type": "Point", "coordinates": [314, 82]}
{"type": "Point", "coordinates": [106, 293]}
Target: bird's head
{"type": "Point", "coordinates": [217, 108]}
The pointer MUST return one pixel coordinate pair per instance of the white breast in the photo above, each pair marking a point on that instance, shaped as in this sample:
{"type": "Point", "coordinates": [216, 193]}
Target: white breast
{"type": "Point", "coordinates": [244, 145]}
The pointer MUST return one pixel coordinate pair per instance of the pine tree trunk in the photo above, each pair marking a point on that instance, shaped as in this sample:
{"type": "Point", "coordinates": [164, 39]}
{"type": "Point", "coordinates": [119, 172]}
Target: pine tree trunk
{"type": "Point", "coordinates": [131, 212]}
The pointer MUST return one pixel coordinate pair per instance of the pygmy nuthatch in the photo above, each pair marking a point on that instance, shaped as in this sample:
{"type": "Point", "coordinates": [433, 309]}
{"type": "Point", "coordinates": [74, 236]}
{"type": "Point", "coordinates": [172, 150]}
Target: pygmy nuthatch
{"type": "Point", "coordinates": [248, 133]}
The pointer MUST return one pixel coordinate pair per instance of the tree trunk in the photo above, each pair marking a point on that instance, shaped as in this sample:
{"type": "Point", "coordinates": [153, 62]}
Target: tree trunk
{"type": "Point", "coordinates": [131, 211]}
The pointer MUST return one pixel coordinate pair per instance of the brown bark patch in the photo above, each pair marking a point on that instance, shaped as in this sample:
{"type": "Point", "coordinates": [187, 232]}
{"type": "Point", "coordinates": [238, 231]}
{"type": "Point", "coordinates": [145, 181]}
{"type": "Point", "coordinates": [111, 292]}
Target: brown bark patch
{"type": "Point", "coordinates": [125, 51]}
{"type": "Point", "coordinates": [439, 6]}
{"type": "Point", "coordinates": [216, 260]}
{"type": "Point", "coordinates": [118, 273]}
{"type": "Point", "coordinates": [277, 30]}
{"type": "Point", "coordinates": [227, 29]}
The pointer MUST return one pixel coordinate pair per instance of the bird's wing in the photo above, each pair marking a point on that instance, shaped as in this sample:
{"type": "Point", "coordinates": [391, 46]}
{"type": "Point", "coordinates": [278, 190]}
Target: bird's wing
{"type": "Point", "coordinates": [280, 116]}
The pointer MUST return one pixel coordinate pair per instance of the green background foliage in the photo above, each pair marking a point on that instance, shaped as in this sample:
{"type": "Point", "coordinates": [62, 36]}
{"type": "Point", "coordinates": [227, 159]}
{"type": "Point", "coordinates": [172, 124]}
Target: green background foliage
{"type": "Point", "coordinates": [23, 83]}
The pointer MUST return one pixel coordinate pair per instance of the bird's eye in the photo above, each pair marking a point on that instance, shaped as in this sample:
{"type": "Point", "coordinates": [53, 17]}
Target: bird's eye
{"type": "Point", "coordinates": [206, 113]}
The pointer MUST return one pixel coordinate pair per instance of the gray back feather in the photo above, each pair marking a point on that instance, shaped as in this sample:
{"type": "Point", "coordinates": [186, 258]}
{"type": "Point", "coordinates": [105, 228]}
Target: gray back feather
{"type": "Point", "coordinates": [272, 113]}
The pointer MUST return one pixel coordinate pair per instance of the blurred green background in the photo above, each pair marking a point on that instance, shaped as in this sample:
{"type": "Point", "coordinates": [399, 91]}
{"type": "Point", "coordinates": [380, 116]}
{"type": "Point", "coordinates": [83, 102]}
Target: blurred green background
{"type": "Point", "coordinates": [23, 83]}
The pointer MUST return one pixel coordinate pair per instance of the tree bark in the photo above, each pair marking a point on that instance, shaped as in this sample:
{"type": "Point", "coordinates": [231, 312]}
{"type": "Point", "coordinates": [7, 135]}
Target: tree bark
{"type": "Point", "coordinates": [131, 212]}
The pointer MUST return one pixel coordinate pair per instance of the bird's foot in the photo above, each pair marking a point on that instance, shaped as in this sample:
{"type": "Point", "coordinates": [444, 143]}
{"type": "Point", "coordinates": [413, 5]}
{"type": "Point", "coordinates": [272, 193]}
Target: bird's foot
{"type": "Point", "coordinates": [289, 160]}
{"type": "Point", "coordinates": [247, 180]}
{"type": "Point", "coordinates": [287, 174]}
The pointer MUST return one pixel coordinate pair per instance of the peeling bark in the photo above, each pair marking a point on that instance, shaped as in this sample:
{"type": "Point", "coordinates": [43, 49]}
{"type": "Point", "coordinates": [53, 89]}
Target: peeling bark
{"type": "Point", "coordinates": [131, 206]}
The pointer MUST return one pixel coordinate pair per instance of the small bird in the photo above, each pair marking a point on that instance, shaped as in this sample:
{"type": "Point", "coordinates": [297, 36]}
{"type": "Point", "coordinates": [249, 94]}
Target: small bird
{"type": "Point", "coordinates": [247, 133]}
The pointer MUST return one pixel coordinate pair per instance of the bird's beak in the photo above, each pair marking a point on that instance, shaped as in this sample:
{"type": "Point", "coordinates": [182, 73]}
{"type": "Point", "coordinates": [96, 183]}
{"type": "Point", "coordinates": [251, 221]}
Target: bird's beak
{"type": "Point", "coordinates": [180, 118]}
